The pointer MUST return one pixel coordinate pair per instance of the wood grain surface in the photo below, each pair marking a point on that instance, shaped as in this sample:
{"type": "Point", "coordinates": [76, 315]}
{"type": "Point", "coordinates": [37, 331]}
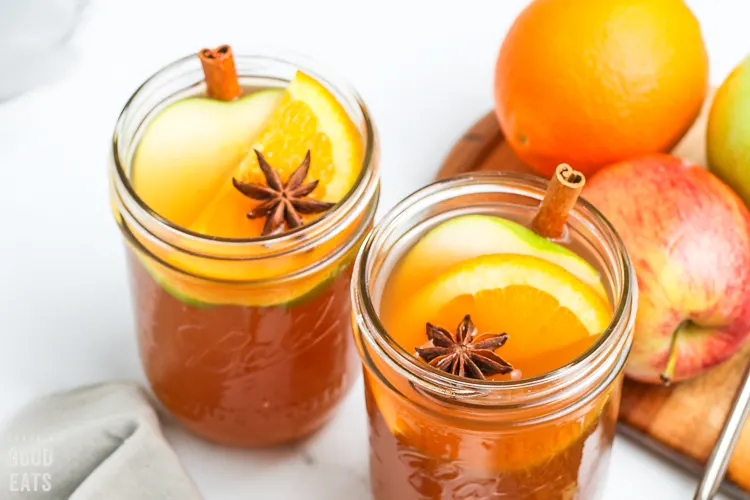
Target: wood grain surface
{"type": "Point", "coordinates": [683, 421]}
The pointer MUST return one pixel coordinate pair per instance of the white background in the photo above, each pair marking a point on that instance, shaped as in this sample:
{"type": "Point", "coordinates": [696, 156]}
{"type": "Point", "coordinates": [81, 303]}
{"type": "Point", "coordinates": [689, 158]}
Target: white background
{"type": "Point", "coordinates": [425, 70]}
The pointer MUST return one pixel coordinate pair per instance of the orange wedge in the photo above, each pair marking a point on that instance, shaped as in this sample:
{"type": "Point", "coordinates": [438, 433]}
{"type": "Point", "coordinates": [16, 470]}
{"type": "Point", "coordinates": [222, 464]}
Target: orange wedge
{"type": "Point", "coordinates": [308, 118]}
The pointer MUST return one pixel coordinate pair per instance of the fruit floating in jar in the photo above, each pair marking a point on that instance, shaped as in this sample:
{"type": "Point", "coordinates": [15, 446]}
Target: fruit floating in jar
{"type": "Point", "coordinates": [192, 170]}
{"type": "Point", "coordinates": [492, 355]}
{"type": "Point", "coordinates": [728, 135]}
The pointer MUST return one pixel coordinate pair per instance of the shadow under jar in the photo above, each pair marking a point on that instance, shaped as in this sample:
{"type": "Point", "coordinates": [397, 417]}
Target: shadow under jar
{"type": "Point", "coordinates": [437, 436]}
{"type": "Point", "coordinates": [248, 342]}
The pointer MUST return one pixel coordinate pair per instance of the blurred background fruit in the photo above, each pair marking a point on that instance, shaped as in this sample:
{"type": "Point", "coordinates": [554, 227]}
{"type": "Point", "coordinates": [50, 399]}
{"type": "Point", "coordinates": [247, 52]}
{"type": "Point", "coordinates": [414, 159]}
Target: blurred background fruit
{"type": "Point", "coordinates": [599, 83]}
{"type": "Point", "coordinates": [728, 135]}
{"type": "Point", "coordinates": [692, 147]}
{"type": "Point", "coordinates": [688, 235]}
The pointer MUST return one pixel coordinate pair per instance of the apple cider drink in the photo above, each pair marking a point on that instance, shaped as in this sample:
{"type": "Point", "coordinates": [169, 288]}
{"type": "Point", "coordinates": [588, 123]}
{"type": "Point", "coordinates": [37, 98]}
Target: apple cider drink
{"type": "Point", "coordinates": [492, 355]}
{"type": "Point", "coordinates": [243, 188]}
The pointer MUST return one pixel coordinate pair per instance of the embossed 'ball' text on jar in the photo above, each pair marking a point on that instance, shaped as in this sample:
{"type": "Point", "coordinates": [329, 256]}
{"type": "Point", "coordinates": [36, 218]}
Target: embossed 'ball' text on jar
{"type": "Point", "coordinates": [248, 342]}
{"type": "Point", "coordinates": [437, 436]}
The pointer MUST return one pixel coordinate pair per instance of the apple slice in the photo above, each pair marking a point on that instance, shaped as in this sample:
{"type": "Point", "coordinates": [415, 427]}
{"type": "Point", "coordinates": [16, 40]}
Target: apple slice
{"type": "Point", "coordinates": [470, 236]}
{"type": "Point", "coordinates": [192, 146]}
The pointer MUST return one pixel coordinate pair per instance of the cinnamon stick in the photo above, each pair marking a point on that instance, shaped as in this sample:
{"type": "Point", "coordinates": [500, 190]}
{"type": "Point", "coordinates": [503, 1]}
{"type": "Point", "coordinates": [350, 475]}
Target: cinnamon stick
{"type": "Point", "coordinates": [220, 73]}
{"type": "Point", "coordinates": [563, 192]}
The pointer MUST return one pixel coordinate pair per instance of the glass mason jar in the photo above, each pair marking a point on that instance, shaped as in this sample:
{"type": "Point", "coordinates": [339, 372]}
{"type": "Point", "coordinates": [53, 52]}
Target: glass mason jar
{"type": "Point", "coordinates": [248, 342]}
{"type": "Point", "coordinates": [436, 436]}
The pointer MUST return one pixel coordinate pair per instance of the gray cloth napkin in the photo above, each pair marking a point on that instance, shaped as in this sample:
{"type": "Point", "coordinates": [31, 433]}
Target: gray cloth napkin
{"type": "Point", "coordinates": [101, 442]}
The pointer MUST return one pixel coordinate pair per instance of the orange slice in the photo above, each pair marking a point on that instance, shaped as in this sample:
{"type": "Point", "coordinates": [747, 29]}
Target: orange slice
{"type": "Point", "coordinates": [545, 310]}
{"type": "Point", "coordinates": [550, 316]}
{"type": "Point", "coordinates": [308, 118]}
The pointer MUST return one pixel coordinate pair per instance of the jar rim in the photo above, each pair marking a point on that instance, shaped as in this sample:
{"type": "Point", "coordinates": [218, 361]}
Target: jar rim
{"type": "Point", "coordinates": [365, 187]}
{"type": "Point", "coordinates": [618, 330]}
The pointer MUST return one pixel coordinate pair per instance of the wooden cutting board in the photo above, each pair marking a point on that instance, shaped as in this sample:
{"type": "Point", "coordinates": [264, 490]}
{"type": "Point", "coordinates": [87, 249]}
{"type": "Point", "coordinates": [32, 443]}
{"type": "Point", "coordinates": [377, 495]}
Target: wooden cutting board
{"type": "Point", "coordinates": [681, 422]}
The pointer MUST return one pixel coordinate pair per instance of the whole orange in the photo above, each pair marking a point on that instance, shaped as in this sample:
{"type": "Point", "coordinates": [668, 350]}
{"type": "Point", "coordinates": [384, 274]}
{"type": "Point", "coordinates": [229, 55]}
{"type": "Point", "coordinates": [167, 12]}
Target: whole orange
{"type": "Point", "coordinates": [592, 82]}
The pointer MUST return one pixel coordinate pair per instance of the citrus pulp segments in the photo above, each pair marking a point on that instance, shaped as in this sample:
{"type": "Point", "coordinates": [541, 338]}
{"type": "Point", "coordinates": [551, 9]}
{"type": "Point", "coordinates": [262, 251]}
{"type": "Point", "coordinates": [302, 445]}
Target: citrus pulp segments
{"type": "Point", "coordinates": [335, 128]}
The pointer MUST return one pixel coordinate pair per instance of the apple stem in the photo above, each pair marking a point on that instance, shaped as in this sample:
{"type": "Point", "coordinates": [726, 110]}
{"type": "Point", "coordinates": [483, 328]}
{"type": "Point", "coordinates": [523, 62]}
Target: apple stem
{"type": "Point", "coordinates": [668, 374]}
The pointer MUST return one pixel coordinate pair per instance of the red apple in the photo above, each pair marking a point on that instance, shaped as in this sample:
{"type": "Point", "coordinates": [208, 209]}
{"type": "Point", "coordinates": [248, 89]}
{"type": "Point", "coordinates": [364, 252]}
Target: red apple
{"type": "Point", "coordinates": [688, 236]}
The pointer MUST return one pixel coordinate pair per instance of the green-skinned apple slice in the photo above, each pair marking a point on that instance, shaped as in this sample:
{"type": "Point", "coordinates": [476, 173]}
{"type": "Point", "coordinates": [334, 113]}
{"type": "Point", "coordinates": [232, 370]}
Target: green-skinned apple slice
{"type": "Point", "coordinates": [191, 147]}
{"type": "Point", "coordinates": [470, 236]}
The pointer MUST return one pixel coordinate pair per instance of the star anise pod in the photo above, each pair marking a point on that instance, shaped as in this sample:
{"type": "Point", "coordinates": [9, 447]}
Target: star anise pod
{"type": "Point", "coordinates": [282, 203]}
{"type": "Point", "coordinates": [463, 355]}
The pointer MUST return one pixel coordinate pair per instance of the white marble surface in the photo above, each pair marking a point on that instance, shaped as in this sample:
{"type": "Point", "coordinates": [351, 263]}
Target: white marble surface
{"type": "Point", "coordinates": [425, 69]}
